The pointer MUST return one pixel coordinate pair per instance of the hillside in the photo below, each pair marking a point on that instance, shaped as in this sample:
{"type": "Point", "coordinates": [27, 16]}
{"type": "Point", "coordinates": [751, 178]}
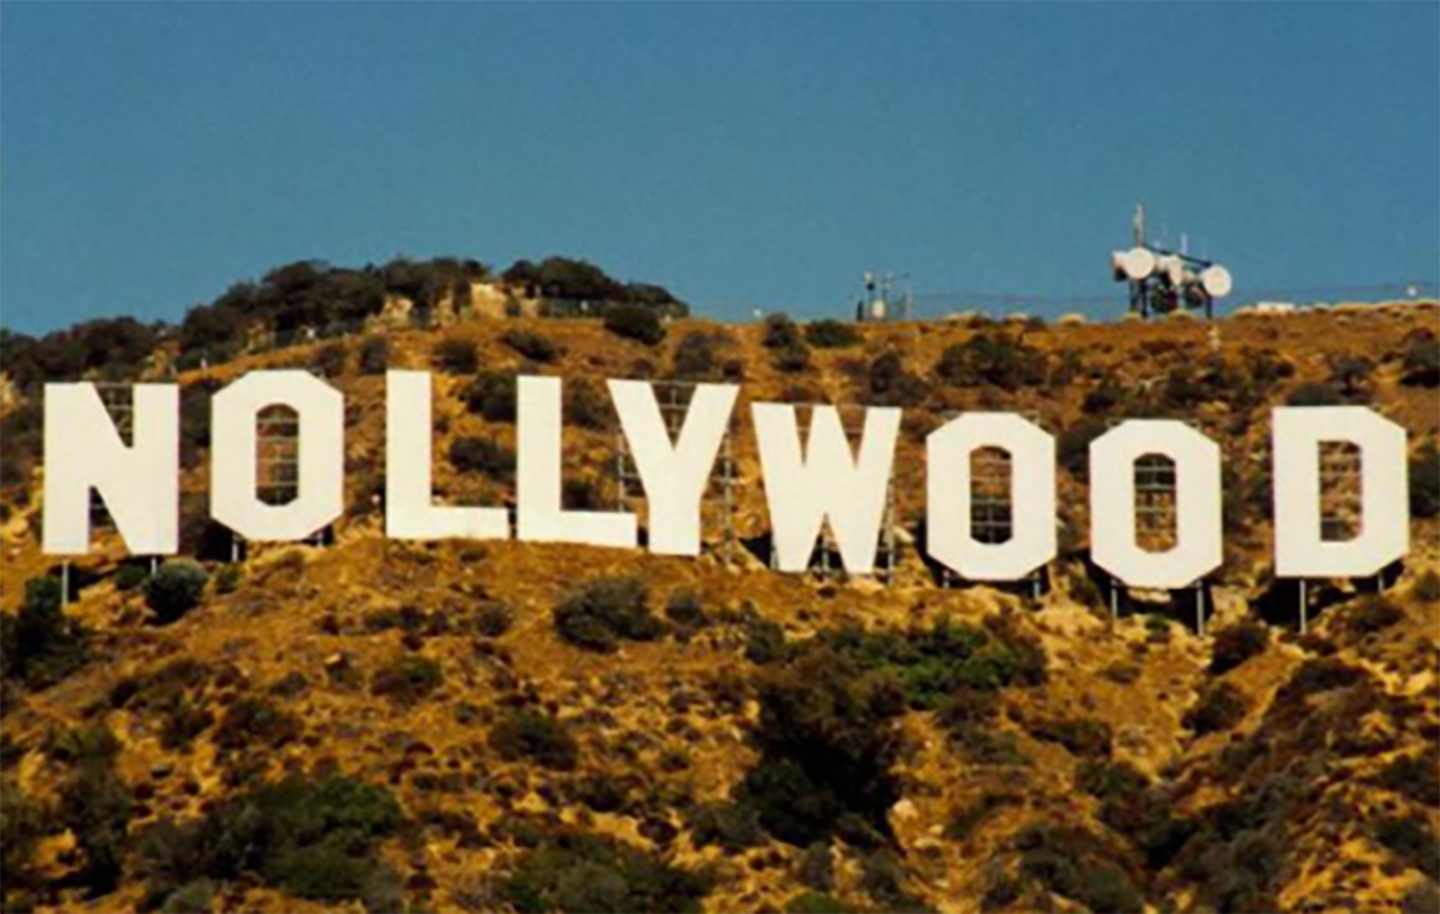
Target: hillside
{"type": "Point", "coordinates": [490, 726]}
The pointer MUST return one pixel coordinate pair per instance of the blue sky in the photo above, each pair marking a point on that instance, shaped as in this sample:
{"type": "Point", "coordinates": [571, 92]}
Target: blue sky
{"type": "Point", "coordinates": [745, 156]}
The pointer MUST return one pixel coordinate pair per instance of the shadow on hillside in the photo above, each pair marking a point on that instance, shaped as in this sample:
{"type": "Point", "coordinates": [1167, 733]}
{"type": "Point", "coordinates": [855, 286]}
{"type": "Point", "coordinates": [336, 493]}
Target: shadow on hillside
{"type": "Point", "coordinates": [1279, 604]}
{"type": "Point", "coordinates": [1178, 605]}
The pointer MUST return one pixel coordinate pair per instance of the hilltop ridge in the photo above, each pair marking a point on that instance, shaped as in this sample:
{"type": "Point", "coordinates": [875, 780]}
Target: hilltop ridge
{"type": "Point", "coordinates": [482, 726]}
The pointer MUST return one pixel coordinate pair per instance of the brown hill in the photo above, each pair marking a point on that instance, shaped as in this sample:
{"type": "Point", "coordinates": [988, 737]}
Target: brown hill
{"type": "Point", "coordinates": [465, 726]}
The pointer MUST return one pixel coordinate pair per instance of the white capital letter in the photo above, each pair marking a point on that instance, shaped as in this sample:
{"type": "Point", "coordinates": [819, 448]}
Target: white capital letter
{"type": "Point", "coordinates": [541, 517]}
{"type": "Point", "coordinates": [321, 460]}
{"type": "Point", "coordinates": [410, 512]}
{"type": "Point", "coordinates": [140, 483]}
{"type": "Point", "coordinates": [674, 475]}
{"type": "Point", "coordinates": [1197, 503]}
{"type": "Point", "coordinates": [1384, 491]}
{"type": "Point", "coordinates": [948, 536]}
{"type": "Point", "coordinates": [826, 481]}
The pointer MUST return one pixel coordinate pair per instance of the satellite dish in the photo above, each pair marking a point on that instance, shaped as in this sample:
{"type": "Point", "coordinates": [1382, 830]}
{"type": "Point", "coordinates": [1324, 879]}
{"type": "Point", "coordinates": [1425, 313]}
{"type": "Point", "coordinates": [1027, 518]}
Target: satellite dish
{"type": "Point", "coordinates": [1138, 263]}
{"type": "Point", "coordinates": [1216, 280]}
{"type": "Point", "coordinates": [877, 309]}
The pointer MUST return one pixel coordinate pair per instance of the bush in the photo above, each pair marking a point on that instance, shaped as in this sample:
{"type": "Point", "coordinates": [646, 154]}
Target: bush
{"type": "Point", "coordinates": [456, 356]}
{"type": "Point", "coordinates": [635, 322]}
{"type": "Point", "coordinates": [1413, 840]}
{"type": "Point", "coordinates": [492, 395]}
{"type": "Point", "coordinates": [1316, 394]}
{"type": "Point", "coordinates": [227, 579]}
{"type": "Point", "coordinates": [531, 734]}
{"type": "Point", "coordinates": [332, 359]}
{"type": "Point", "coordinates": [831, 334]}
{"type": "Point", "coordinates": [792, 359]}
{"type": "Point", "coordinates": [891, 385]}
{"type": "Point", "coordinates": [1076, 864]}
{"type": "Point", "coordinates": [1421, 365]}
{"type": "Point", "coordinates": [407, 679]}
{"type": "Point", "coordinates": [732, 826]}
{"type": "Point", "coordinates": [684, 609]}
{"type": "Point", "coordinates": [95, 805]}
{"type": "Point", "coordinates": [1237, 643]}
{"type": "Point", "coordinates": [309, 838]}
{"type": "Point", "coordinates": [1427, 587]}
{"type": "Point", "coordinates": [175, 589]}
{"type": "Point", "coordinates": [1371, 613]}
{"type": "Point", "coordinates": [374, 355]}
{"type": "Point", "coordinates": [255, 723]}
{"type": "Point", "coordinates": [585, 405]}
{"type": "Point", "coordinates": [493, 619]}
{"type": "Point", "coordinates": [606, 610]}
{"type": "Point", "coordinates": [992, 359]}
{"type": "Point", "coordinates": [130, 576]}
{"type": "Point", "coordinates": [695, 357]}
{"type": "Point", "coordinates": [1425, 482]}
{"type": "Point", "coordinates": [1220, 707]}
{"type": "Point", "coordinates": [531, 345]}
{"type": "Point", "coordinates": [1081, 736]}
{"type": "Point", "coordinates": [576, 873]}
{"type": "Point", "coordinates": [781, 333]}
{"type": "Point", "coordinates": [482, 455]}
{"type": "Point", "coordinates": [40, 645]}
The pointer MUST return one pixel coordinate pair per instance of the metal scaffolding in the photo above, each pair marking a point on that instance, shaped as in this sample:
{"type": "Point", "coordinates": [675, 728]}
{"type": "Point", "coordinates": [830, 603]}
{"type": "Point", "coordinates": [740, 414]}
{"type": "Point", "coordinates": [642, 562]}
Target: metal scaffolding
{"type": "Point", "coordinates": [1155, 512]}
{"type": "Point", "coordinates": [277, 462]}
{"type": "Point", "coordinates": [118, 398]}
{"type": "Point", "coordinates": [673, 398]}
{"type": "Point", "coordinates": [1340, 502]}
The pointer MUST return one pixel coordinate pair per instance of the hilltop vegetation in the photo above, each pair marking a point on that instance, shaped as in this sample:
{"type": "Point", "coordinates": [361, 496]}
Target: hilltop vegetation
{"type": "Point", "coordinates": [502, 726]}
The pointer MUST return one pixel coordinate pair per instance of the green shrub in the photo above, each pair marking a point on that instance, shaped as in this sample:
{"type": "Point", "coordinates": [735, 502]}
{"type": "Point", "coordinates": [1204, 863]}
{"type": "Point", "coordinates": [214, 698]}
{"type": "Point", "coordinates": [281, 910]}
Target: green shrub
{"type": "Point", "coordinates": [1074, 863]}
{"type": "Point", "coordinates": [831, 334]}
{"type": "Point", "coordinates": [227, 579]}
{"type": "Point", "coordinates": [309, 838]}
{"type": "Point", "coordinates": [890, 384]}
{"type": "Point", "coordinates": [332, 359]}
{"type": "Point", "coordinates": [470, 454]}
{"type": "Point", "coordinates": [130, 576]}
{"type": "Point", "coordinates": [792, 359]}
{"type": "Point", "coordinates": [1426, 588]}
{"type": "Point", "coordinates": [41, 645]}
{"type": "Point", "coordinates": [183, 720]}
{"type": "Point", "coordinates": [684, 609]}
{"type": "Point", "coordinates": [456, 356]}
{"type": "Point", "coordinates": [781, 333]}
{"type": "Point", "coordinates": [995, 360]}
{"type": "Point", "coordinates": [95, 805]}
{"type": "Point", "coordinates": [605, 611]}
{"type": "Point", "coordinates": [635, 322]}
{"type": "Point", "coordinates": [1425, 482]}
{"type": "Point", "coordinates": [493, 619]}
{"type": "Point", "coordinates": [1414, 776]}
{"type": "Point", "coordinates": [1237, 643]}
{"type": "Point", "coordinates": [492, 395]}
{"type": "Point", "coordinates": [575, 873]}
{"type": "Point", "coordinates": [816, 903]}
{"type": "Point", "coordinates": [1220, 707]}
{"type": "Point", "coordinates": [535, 735]}
{"type": "Point", "coordinates": [255, 723]}
{"type": "Point", "coordinates": [175, 589]}
{"type": "Point", "coordinates": [374, 355]}
{"type": "Point", "coordinates": [1370, 613]}
{"type": "Point", "coordinates": [585, 405]}
{"type": "Point", "coordinates": [1421, 364]}
{"type": "Point", "coordinates": [531, 345]}
{"type": "Point", "coordinates": [731, 826]}
{"type": "Point", "coordinates": [1081, 736]}
{"type": "Point", "coordinates": [1413, 840]}
{"type": "Point", "coordinates": [696, 357]}
{"type": "Point", "coordinates": [764, 640]}
{"type": "Point", "coordinates": [963, 822]}
{"type": "Point", "coordinates": [1316, 393]}
{"type": "Point", "coordinates": [407, 679]}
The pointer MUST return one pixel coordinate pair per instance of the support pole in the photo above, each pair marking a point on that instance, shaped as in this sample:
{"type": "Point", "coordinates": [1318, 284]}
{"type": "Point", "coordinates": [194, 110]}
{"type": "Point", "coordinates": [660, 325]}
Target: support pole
{"type": "Point", "coordinates": [1304, 609]}
{"type": "Point", "coordinates": [64, 584]}
{"type": "Point", "coordinates": [1200, 609]}
{"type": "Point", "coordinates": [1114, 599]}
